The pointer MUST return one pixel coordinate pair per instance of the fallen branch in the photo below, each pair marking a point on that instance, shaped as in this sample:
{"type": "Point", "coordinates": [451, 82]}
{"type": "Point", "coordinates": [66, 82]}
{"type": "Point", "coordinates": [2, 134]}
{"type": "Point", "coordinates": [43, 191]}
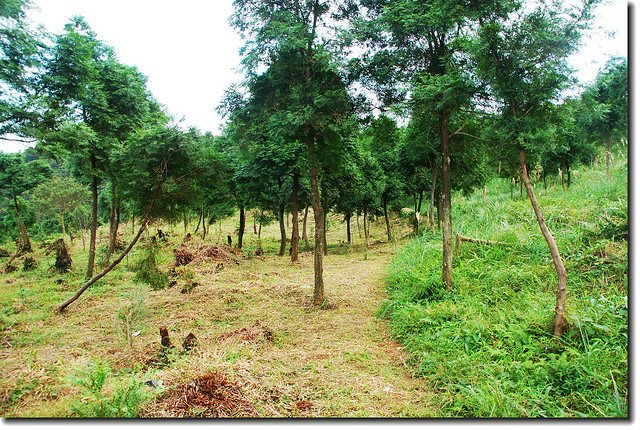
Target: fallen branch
{"type": "Point", "coordinates": [110, 267]}
{"type": "Point", "coordinates": [461, 238]}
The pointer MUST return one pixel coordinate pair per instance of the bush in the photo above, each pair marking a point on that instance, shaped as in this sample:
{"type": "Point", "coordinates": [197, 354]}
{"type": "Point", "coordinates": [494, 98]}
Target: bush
{"type": "Point", "coordinates": [124, 402]}
{"type": "Point", "coordinates": [147, 269]}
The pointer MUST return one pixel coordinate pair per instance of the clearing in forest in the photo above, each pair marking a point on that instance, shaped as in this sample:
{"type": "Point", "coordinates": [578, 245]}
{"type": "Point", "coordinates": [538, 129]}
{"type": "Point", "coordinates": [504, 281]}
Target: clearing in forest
{"type": "Point", "coordinates": [262, 349]}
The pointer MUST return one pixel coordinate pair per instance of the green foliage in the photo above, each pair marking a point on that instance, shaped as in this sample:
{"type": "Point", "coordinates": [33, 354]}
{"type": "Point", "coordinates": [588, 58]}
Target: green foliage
{"type": "Point", "coordinates": [124, 401]}
{"type": "Point", "coordinates": [147, 269]}
{"type": "Point", "coordinates": [499, 317]}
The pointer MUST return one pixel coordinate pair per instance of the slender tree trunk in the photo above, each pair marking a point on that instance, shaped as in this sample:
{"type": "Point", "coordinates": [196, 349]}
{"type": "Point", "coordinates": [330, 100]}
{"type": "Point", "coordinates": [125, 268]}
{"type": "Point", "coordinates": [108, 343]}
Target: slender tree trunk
{"type": "Point", "coordinates": [561, 292]}
{"type": "Point", "coordinates": [386, 220]}
{"type": "Point", "coordinates": [295, 235]}
{"type": "Point", "coordinates": [25, 245]}
{"type": "Point", "coordinates": [108, 269]}
{"type": "Point", "coordinates": [607, 156]}
{"type": "Point", "coordinates": [241, 228]}
{"type": "Point", "coordinates": [568, 176]}
{"type": "Point", "coordinates": [199, 221]}
{"type": "Point", "coordinates": [318, 252]}
{"type": "Point", "coordinates": [325, 222]}
{"type": "Point", "coordinates": [358, 225]}
{"type": "Point", "coordinates": [283, 231]}
{"type": "Point", "coordinates": [304, 227]}
{"type": "Point", "coordinates": [364, 227]}
{"type": "Point", "coordinates": [94, 221]}
{"type": "Point", "coordinates": [348, 220]}
{"type": "Point", "coordinates": [260, 227]}
{"type": "Point", "coordinates": [185, 221]}
{"type": "Point", "coordinates": [255, 229]}
{"type": "Point", "coordinates": [447, 232]}
{"type": "Point", "coordinates": [133, 223]}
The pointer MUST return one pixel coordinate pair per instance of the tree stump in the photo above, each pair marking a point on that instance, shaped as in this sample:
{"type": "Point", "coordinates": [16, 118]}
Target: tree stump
{"type": "Point", "coordinates": [63, 259]}
{"type": "Point", "coordinates": [189, 342]}
{"type": "Point", "coordinates": [29, 263]}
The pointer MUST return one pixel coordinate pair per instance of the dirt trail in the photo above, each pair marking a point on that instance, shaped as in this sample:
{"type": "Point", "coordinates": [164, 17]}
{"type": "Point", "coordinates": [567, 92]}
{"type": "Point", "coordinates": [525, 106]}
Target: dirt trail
{"type": "Point", "coordinates": [294, 360]}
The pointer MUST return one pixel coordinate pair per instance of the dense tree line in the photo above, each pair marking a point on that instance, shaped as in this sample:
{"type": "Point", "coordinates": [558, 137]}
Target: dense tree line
{"type": "Point", "coordinates": [360, 108]}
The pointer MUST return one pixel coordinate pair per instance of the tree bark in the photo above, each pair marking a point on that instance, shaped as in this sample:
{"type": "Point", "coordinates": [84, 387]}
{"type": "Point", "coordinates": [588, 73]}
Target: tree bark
{"type": "Point", "coordinates": [447, 232]}
{"type": "Point", "coordinates": [113, 225]}
{"type": "Point", "coordinates": [199, 221]}
{"type": "Point", "coordinates": [255, 227]}
{"type": "Point", "coordinates": [325, 223]}
{"type": "Point", "coordinates": [304, 227]}
{"type": "Point", "coordinates": [25, 245]}
{"type": "Point", "coordinates": [386, 220]}
{"type": "Point", "coordinates": [108, 269]}
{"type": "Point", "coordinates": [241, 228]}
{"type": "Point", "coordinates": [260, 227]}
{"type": "Point", "coordinates": [348, 220]}
{"type": "Point", "coordinates": [318, 252]}
{"type": "Point", "coordinates": [295, 235]}
{"type": "Point", "coordinates": [365, 228]}
{"type": "Point", "coordinates": [283, 231]}
{"type": "Point", "coordinates": [94, 221]}
{"type": "Point", "coordinates": [561, 292]}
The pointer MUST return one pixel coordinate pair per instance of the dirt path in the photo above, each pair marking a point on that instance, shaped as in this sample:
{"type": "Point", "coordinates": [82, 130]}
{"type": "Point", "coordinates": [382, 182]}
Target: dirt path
{"type": "Point", "coordinates": [293, 360]}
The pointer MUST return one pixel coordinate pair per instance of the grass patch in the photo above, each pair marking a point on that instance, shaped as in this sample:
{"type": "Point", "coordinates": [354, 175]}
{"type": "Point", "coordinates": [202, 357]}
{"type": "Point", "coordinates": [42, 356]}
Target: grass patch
{"type": "Point", "coordinates": [487, 345]}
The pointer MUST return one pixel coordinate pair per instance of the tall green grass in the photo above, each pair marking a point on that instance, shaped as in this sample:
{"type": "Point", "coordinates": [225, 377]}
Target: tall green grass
{"type": "Point", "coordinates": [487, 344]}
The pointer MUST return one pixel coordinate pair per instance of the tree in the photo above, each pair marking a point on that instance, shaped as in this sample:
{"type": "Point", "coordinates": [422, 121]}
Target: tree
{"type": "Point", "coordinates": [523, 59]}
{"type": "Point", "coordinates": [608, 100]}
{"type": "Point", "coordinates": [418, 51]}
{"type": "Point", "coordinates": [316, 98]}
{"type": "Point", "coordinates": [159, 182]}
{"type": "Point", "coordinates": [22, 55]}
{"type": "Point", "coordinates": [17, 176]}
{"type": "Point", "coordinates": [59, 197]}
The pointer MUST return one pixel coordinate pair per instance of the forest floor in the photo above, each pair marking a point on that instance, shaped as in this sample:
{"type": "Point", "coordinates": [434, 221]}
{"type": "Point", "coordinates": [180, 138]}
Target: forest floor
{"type": "Point", "coordinates": [256, 331]}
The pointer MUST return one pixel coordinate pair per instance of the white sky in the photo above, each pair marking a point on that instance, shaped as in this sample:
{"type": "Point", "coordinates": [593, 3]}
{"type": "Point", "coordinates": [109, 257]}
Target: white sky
{"type": "Point", "coordinates": [190, 54]}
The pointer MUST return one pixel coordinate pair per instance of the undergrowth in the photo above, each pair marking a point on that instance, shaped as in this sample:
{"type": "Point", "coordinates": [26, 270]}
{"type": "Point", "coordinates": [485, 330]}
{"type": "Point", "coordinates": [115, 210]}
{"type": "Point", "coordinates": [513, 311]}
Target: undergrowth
{"type": "Point", "coordinates": [487, 345]}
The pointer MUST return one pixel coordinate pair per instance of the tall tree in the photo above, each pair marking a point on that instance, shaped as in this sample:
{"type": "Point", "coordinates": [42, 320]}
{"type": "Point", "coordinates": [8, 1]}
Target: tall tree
{"type": "Point", "coordinates": [608, 100]}
{"type": "Point", "coordinates": [160, 180]}
{"type": "Point", "coordinates": [418, 52]}
{"type": "Point", "coordinates": [523, 58]}
{"type": "Point", "coordinates": [317, 99]}
{"type": "Point", "coordinates": [18, 176]}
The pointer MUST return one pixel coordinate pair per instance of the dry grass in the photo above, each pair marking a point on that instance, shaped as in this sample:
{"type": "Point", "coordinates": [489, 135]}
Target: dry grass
{"type": "Point", "coordinates": [256, 330]}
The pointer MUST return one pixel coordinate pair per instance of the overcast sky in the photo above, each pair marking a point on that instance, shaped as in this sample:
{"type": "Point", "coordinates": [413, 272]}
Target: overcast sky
{"type": "Point", "coordinates": [190, 54]}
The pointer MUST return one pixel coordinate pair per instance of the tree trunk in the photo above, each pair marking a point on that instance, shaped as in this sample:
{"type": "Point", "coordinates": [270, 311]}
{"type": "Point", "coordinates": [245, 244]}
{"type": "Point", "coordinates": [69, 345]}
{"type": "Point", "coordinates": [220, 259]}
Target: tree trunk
{"type": "Point", "coordinates": [364, 227]}
{"type": "Point", "coordinates": [241, 228]}
{"type": "Point", "coordinates": [260, 227]}
{"type": "Point", "coordinates": [568, 169]}
{"type": "Point", "coordinates": [386, 220]}
{"type": "Point", "coordinates": [325, 223]}
{"type": "Point", "coordinates": [94, 221]}
{"type": "Point", "coordinates": [447, 232]}
{"type": "Point", "coordinates": [283, 231]}
{"type": "Point", "coordinates": [304, 227]}
{"type": "Point", "coordinates": [199, 221]}
{"type": "Point", "coordinates": [318, 218]}
{"type": "Point", "coordinates": [358, 225]}
{"type": "Point", "coordinates": [25, 245]}
{"type": "Point", "coordinates": [607, 155]}
{"type": "Point", "coordinates": [348, 220]}
{"type": "Point", "coordinates": [185, 221]}
{"type": "Point", "coordinates": [561, 292]}
{"type": "Point", "coordinates": [255, 228]}
{"type": "Point", "coordinates": [295, 235]}
{"type": "Point", "coordinates": [108, 269]}
{"type": "Point", "coordinates": [114, 220]}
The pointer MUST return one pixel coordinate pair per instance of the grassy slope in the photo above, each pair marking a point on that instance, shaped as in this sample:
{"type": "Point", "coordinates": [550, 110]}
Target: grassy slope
{"type": "Point", "coordinates": [486, 345]}
{"type": "Point", "coordinates": [339, 359]}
